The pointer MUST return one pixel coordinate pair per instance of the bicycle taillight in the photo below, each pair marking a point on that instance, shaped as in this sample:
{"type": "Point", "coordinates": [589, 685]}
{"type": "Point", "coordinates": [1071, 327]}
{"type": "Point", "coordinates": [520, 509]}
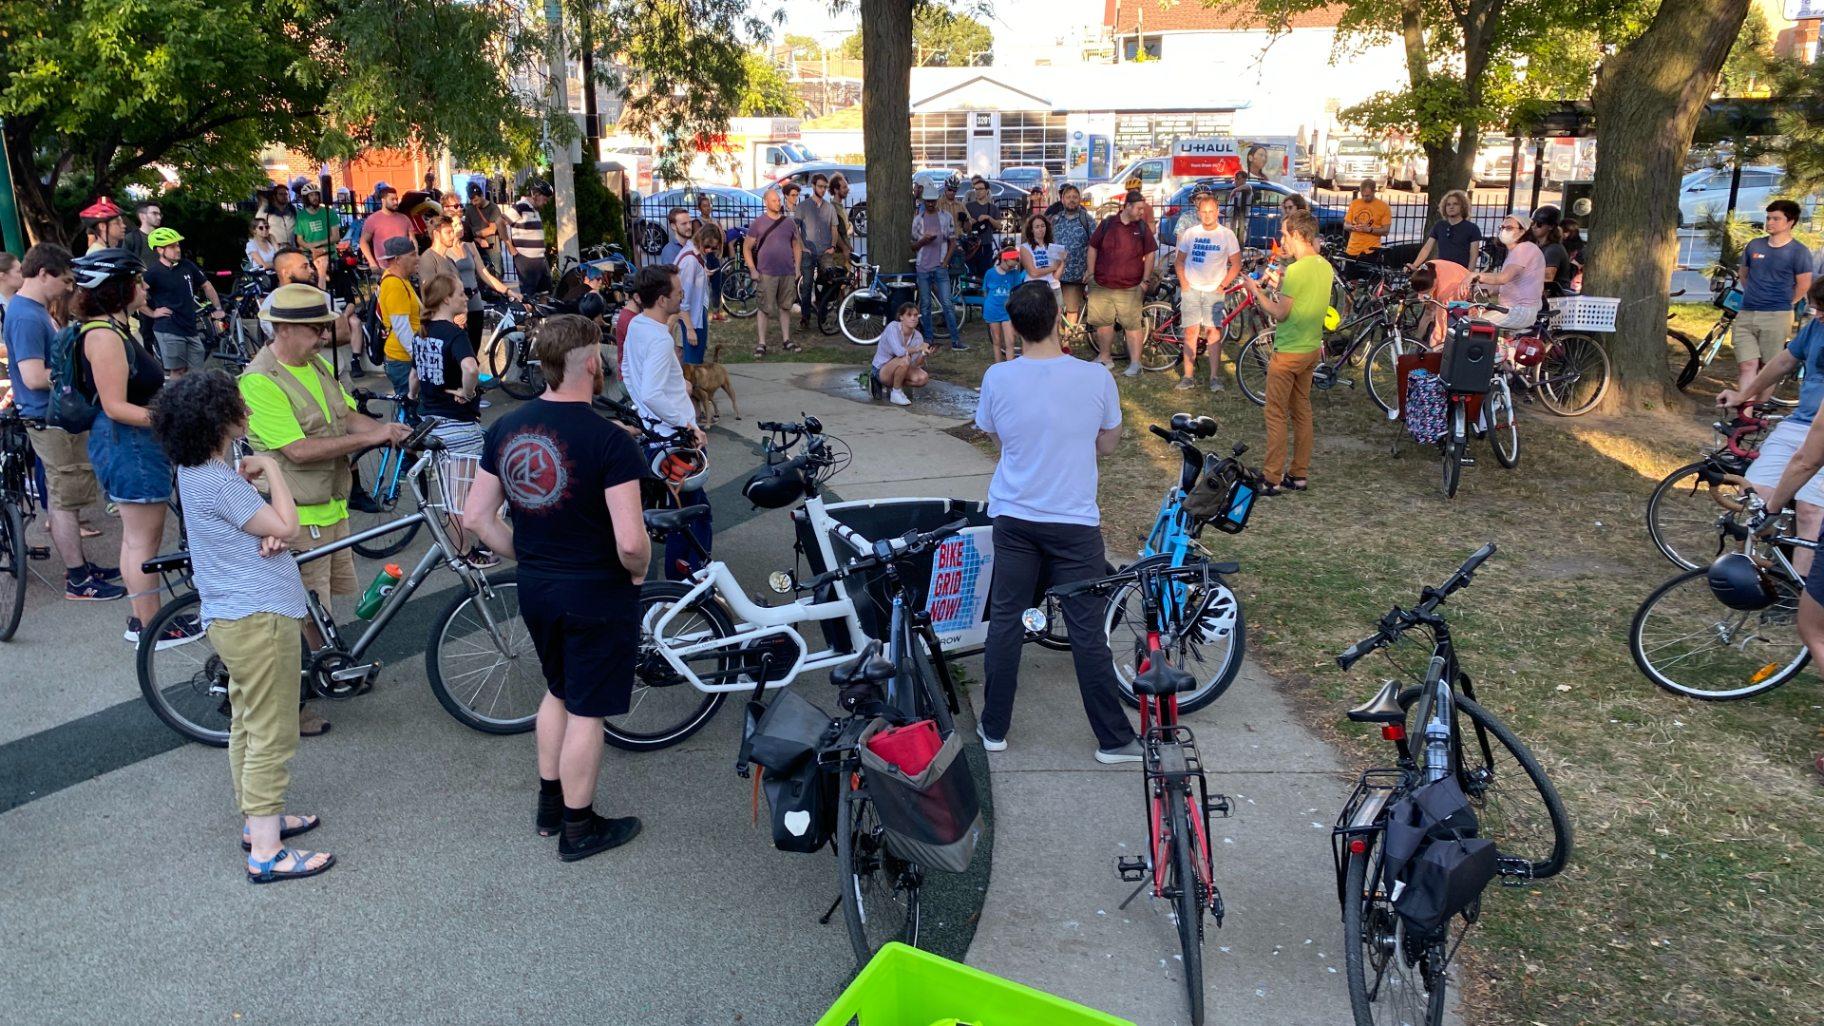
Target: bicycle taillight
{"type": "Point", "coordinates": [1393, 732]}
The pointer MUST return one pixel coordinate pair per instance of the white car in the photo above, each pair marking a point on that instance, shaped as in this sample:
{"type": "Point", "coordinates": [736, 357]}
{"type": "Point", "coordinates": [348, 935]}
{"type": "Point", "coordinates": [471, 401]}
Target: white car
{"type": "Point", "coordinates": [1704, 193]}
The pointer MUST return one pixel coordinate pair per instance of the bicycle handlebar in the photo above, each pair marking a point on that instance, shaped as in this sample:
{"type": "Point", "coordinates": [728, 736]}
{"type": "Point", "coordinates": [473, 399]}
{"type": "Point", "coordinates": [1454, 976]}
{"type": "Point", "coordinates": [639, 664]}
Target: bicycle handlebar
{"type": "Point", "coordinates": [1398, 621]}
{"type": "Point", "coordinates": [912, 543]}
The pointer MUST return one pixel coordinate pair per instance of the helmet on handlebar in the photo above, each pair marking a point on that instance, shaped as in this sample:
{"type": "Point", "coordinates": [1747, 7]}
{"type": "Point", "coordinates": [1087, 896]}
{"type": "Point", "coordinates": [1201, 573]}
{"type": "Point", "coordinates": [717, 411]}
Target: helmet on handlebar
{"type": "Point", "coordinates": [1739, 583]}
{"type": "Point", "coordinates": [777, 487]}
{"type": "Point", "coordinates": [681, 466]}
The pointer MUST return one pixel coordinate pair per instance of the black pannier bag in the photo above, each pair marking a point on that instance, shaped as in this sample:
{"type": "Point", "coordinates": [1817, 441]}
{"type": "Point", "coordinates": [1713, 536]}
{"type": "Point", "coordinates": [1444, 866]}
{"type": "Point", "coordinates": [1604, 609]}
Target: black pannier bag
{"type": "Point", "coordinates": [1433, 858]}
{"type": "Point", "coordinates": [933, 818]}
{"type": "Point", "coordinates": [782, 737]}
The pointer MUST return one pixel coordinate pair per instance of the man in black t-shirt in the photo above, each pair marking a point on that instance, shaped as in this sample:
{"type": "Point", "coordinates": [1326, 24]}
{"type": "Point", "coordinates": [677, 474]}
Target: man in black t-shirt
{"type": "Point", "coordinates": [572, 480]}
{"type": "Point", "coordinates": [172, 285]}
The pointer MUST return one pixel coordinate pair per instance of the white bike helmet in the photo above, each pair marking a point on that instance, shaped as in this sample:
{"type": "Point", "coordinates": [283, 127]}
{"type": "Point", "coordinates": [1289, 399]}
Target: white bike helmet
{"type": "Point", "coordinates": [683, 467]}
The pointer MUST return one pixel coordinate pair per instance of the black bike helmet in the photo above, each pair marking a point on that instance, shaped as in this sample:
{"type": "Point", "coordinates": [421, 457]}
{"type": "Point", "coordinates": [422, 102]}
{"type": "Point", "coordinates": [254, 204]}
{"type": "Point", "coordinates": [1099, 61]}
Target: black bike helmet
{"type": "Point", "coordinates": [591, 305]}
{"type": "Point", "coordinates": [1739, 583]}
{"type": "Point", "coordinates": [776, 488]}
{"type": "Point", "coordinates": [97, 266]}
{"type": "Point", "coordinates": [540, 187]}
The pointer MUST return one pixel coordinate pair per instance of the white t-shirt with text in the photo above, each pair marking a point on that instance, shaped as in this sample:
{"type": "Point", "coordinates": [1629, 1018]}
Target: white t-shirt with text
{"type": "Point", "coordinates": [1047, 414]}
{"type": "Point", "coordinates": [1204, 254]}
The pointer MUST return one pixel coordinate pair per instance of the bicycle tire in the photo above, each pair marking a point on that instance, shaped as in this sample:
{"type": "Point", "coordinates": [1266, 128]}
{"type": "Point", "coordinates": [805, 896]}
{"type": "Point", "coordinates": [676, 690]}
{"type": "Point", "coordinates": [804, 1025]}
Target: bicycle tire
{"type": "Point", "coordinates": [1163, 347]}
{"type": "Point", "coordinates": [13, 564]}
{"type": "Point", "coordinates": [861, 328]}
{"type": "Point", "coordinates": [186, 685]}
{"type": "Point", "coordinates": [1786, 390]}
{"type": "Point", "coordinates": [1684, 526]}
{"type": "Point", "coordinates": [654, 680]}
{"type": "Point", "coordinates": [1251, 367]}
{"type": "Point", "coordinates": [523, 380]}
{"type": "Point", "coordinates": [1497, 820]}
{"type": "Point", "coordinates": [1188, 903]}
{"type": "Point", "coordinates": [1503, 426]}
{"type": "Point", "coordinates": [1575, 375]}
{"type": "Point", "coordinates": [1450, 449]}
{"type": "Point", "coordinates": [740, 295]}
{"type": "Point", "coordinates": [1214, 675]}
{"type": "Point", "coordinates": [1681, 358]}
{"type": "Point", "coordinates": [388, 486]}
{"type": "Point", "coordinates": [875, 909]}
{"type": "Point", "coordinates": [1766, 663]}
{"type": "Point", "coordinates": [521, 677]}
{"type": "Point", "coordinates": [1382, 372]}
{"type": "Point", "coordinates": [1372, 936]}
{"type": "Point", "coordinates": [828, 318]}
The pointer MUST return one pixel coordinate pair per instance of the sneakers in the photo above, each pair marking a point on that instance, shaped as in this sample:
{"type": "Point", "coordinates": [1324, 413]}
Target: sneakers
{"type": "Point", "coordinates": [956, 346]}
{"type": "Point", "coordinates": [102, 573]}
{"type": "Point", "coordinates": [181, 632]}
{"type": "Point", "coordinates": [1130, 752]}
{"type": "Point", "coordinates": [482, 558]}
{"type": "Point", "coordinates": [90, 588]}
{"type": "Point", "coordinates": [1215, 384]}
{"type": "Point", "coordinates": [1132, 371]}
{"type": "Point", "coordinates": [605, 834]}
{"type": "Point", "coordinates": [989, 743]}
{"type": "Point", "coordinates": [1185, 385]}
{"type": "Point", "coordinates": [898, 398]}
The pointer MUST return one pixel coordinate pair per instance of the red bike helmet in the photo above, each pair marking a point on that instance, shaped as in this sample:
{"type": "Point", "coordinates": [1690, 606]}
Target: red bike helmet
{"type": "Point", "coordinates": [103, 209]}
{"type": "Point", "coordinates": [1528, 352]}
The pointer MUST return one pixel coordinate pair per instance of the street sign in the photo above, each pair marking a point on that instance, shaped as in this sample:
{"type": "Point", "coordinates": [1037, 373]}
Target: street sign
{"type": "Point", "coordinates": [1804, 10]}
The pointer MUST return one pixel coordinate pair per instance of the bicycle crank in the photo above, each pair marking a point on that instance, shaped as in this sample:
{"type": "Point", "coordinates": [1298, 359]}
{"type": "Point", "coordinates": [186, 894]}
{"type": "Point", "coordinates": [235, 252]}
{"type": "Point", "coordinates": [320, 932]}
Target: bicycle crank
{"type": "Point", "coordinates": [334, 675]}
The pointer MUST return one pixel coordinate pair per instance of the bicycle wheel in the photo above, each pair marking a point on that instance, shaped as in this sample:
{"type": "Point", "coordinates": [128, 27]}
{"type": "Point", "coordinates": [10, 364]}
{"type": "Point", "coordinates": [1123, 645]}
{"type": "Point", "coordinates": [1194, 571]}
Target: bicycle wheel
{"type": "Point", "coordinates": [1212, 653]}
{"type": "Point", "coordinates": [1786, 392]}
{"type": "Point", "coordinates": [828, 316]}
{"type": "Point", "coordinates": [522, 378]}
{"type": "Point", "coordinates": [740, 293]}
{"type": "Point", "coordinates": [1503, 430]}
{"type": "Point", "coordinates": [481, 663]}
{"type": "Point", "coordinates": [378, 485]}
{"type": "Point", "coordinates": [1450, 451]}
{"type": "Point", "coordinates": [1383, 370]}
{"type": "Point", "coordinates": [1575, 375]}
{"type": "Point", "coordinates": [1683, 515]}
{"type": "Point", "coordinates": [664, 708]}
{"type": "Point", "coordinates": [880, 890]}
{"type": "Point", "coordinates": [862, 326]}
{"type": "Point", "coordinates": [1163, 347]}
{"type": "Point", "coordinates": [1386, 988]}
{"type": "Point", "coordinates": [1689, 643]}
{"type": "Point", "coordinates": [186, 685]}
{"type": "Point", "coordinates": [1516, 805]}
{"type": "Point", "coordinates": [15, 572]}
{"type": "Point", "coordinates": [1188, 902]}
{"type": "Point", "coordinates": [1251, 367]}
{"type": "Point", "coordinates": [1681, 358]}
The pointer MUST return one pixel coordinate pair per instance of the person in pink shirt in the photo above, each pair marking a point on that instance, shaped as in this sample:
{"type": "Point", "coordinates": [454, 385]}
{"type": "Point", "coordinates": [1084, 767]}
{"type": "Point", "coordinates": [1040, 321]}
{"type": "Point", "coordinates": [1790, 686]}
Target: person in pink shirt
{"type": "Point", "coordinates": [381, 225]}
{"type": "Point", "coordinates": [1445, 281]}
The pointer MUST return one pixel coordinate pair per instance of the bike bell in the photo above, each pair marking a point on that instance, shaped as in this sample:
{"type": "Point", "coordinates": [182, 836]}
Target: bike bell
{"type": "Point", "coordinates": [1740, 583]}
{"type": "Point", "coordinates": [684, 468]}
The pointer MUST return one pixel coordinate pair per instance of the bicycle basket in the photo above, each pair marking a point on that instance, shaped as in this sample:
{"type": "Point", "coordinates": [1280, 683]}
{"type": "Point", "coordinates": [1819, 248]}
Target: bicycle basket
{"type": "Point", "coordinates": [1585, 313]}
{"type": "Point", "coordinates": [934, 817]}
{"type": "Point", "coordinates": [1224, 495]}
{"type": "Point", "coordinates": [458, 475]}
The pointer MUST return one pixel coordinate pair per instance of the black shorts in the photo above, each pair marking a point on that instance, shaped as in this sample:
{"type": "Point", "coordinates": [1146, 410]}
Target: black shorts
{"type": "Point", "coordinates": [587, 658]}
{"type": "Point", "coordinates": [1814, 580]}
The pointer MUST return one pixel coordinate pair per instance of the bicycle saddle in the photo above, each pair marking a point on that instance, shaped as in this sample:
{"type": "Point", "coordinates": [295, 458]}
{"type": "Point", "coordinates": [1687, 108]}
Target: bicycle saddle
{"type": "Point", "coordinates": [1162, 678]}
{"type": "Point", "coordinates": [1382, 708]}
{"type": "Point", "coordinates": [673, 519]}
{"type": "Point", "coordinates": [868, 666]}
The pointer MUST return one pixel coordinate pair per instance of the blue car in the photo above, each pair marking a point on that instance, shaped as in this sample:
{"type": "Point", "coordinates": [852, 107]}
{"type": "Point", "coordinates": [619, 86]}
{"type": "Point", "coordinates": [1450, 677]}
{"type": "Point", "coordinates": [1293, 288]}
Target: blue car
{"type": "Point", "coordinates": [1263, 215]}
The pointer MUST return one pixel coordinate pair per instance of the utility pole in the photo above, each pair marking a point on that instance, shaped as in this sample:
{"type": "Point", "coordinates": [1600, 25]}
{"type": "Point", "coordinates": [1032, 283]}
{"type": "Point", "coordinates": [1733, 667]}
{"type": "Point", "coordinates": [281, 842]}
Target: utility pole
{"type": "Point", "coordinates": [563, 179]}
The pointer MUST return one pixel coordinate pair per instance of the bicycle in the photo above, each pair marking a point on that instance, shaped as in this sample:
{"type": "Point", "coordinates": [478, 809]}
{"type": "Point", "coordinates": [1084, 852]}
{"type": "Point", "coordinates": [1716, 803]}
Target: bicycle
{"type": "Point", "coordinates": [1398, 972]}
{"type": "Point", "coordinates": [1567, 371]}
{"type": "Point", "coordinates": [1687, 357]}
{"type": "Point", "coordinates": [1178, 863]}
{"type": "Point", "coordinates": [1487, 415]}
{"type": "Point", "coordinates": [1682, 518]}
{"type": "Point", "coordinates": [1206, 619]}
{"type": "Point", "coordinates": [865, 312]}
{"type": "Point", "coordinates": [506, 357]}
{"type": "Point", "coordinates": [239, 339]}
{"type": "Point", "coordinates": [18, 507]}
{"type": "Point", "coordinates": [1686, 640]}
{"type": "Point", "coordinates": [374, 492]}
{"type": "Point", "coordinates": [1371, 339]}
{"type": "Point", "coordinates": [479, 656]}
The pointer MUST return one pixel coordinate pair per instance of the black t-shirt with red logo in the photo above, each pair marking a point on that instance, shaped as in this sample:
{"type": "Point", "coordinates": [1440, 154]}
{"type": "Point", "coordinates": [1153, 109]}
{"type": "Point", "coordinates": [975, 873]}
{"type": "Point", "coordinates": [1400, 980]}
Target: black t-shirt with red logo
{"type": "Point", "coordinates": [554, 461]}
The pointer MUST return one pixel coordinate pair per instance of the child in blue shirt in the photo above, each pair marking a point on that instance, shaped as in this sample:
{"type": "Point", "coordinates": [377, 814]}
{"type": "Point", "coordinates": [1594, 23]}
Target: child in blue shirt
{"type": "Point", "coordinates": [997, 285]}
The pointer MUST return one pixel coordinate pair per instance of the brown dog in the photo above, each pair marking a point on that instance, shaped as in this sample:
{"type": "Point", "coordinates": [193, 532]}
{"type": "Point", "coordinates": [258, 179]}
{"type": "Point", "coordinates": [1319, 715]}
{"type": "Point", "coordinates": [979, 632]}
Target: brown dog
{"type": "Point", "coordinates": [705, 379]}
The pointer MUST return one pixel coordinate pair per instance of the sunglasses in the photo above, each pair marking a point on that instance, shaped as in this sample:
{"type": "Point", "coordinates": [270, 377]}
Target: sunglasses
{"type": "Point", "coordinates": [259, 224]}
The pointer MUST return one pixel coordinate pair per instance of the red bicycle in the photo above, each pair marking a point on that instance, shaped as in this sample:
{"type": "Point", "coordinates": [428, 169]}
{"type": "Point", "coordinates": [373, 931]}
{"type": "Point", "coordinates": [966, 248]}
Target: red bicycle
{"type": "Point", "coordinates": [1241, 318]}
{"type": "Point", "coordinates": [1178, 864]}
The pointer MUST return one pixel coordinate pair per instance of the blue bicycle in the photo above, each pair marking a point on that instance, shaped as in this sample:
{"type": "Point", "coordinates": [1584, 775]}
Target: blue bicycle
{"type": "Point", "coordinates": [1211, 490]}
{"type": "Point", "coordinates": [380, 472]}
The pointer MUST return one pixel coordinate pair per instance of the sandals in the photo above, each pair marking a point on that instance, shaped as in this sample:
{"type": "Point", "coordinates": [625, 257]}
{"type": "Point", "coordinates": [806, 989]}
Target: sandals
{"type": "Point", "coordinates": [1271, 489]}
{"type": "Point", "coordinates": [760, 352]}
{"type": "Point", "coordinates": [1297, 484]}
{"type": "Point", "coordinates": [306, 825]}
{"type": "Point", "coordinates": [793, 347]}
{"type": "Point", "coordinates": [264, 871]}
{"type": "Point", "coordinates": [550, 818]}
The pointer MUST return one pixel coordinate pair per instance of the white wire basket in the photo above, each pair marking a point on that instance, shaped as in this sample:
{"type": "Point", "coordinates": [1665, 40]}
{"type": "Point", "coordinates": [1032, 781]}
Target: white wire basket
{"type": "Point", "coordinates": [1584, 313]}
{"type": "Point", "coordinates": [457, 472]}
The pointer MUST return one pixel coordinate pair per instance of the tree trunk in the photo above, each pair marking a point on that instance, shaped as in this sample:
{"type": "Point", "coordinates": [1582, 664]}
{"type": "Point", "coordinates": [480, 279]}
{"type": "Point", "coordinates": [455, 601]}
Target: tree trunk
{"type": "Point", "coordinates": [886, 105]}
{"type": "Point", "coordinates": [29, 190]}
{"type": "Point", "coordinates": [1648, 98]}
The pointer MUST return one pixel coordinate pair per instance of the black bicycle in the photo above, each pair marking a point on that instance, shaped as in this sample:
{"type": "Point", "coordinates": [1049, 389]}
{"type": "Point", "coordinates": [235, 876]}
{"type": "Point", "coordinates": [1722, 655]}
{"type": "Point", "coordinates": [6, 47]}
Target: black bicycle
{"type": "Point", "coordinates": [17, 508]}
{"type": "Point", "coordinates": [1398, 971]}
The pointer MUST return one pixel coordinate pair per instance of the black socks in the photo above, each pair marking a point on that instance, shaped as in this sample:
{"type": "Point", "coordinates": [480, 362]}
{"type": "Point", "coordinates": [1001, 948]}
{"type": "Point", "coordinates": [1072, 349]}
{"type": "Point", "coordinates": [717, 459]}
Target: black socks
{"type": "Point", "coordinates": [549, 787]}
{"type": "Point", "coordinates": [578, 823]}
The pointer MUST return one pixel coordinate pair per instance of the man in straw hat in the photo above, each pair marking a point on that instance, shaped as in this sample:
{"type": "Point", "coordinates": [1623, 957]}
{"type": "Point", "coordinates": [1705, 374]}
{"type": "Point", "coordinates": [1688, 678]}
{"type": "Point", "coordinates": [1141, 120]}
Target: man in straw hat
{"type": "Point", "coordinates": [300, 414]}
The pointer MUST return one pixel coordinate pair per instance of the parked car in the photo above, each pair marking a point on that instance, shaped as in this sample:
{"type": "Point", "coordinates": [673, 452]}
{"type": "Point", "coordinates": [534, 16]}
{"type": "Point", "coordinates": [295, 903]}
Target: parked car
{"type": "Point", "coordinates": [1026, 177]}
{"type": "Point", "coordinates": [1410, 170]}
{"type": "Point", "coordinates": [1156, 183]}
{"type": "Point", "coordinates": [730, 206]}
{"type": "Point", "coordinates": [1705, 194]}
{"type": "Point", "coordinates": [1494, 163]}
{"type": "Point", "coordinates": [1263, 214]}
{"type": "Point", "coordinates": [857, 177]}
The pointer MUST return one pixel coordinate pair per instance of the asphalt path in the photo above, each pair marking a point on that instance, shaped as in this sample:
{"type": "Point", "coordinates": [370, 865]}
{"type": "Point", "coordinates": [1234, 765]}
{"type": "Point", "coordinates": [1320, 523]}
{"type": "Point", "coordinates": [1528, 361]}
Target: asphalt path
{"type": "Point", "coordinates": [125, 900]}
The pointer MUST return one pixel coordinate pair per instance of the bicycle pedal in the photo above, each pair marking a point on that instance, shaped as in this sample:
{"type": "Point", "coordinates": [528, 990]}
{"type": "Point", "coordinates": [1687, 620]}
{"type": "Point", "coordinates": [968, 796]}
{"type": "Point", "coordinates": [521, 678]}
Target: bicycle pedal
{"type": "Point", "coordinates": [1218, 805]}
{"type": "Point", "coordinates": [1466, 461]}
{"type": "Point", "coordinates": [1132, 868]}
{"type": "Point", "coordinates": [1216, 908]}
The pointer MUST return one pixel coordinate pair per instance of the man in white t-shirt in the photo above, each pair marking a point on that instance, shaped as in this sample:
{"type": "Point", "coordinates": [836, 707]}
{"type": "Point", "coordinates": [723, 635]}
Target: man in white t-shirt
{"type": "Point", "coordinates": [655, 383]}
{"type": "Point", "coordinates": [1209, 258]}
{"type": "Point", "coordinates": [1053, 417]}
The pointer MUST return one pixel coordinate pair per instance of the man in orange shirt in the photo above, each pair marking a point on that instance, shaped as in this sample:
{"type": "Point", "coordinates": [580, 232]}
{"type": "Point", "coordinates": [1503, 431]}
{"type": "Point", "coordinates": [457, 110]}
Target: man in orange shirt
{"type": "Point", "coordinates": [1368, 220]}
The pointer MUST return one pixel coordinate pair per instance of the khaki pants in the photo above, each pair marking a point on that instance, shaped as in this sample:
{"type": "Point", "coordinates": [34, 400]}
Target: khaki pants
{"type": "Point", "coordinates": [67, 472]}
{"type": "Point", "coordinates": [1289, 397]}
{"type": "Point", "coordinates": [1759, 334]}
{"type": "Point", "coordinates": [261, 652]}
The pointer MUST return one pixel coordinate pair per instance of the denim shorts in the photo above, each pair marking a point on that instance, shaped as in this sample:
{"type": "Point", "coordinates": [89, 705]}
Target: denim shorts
{"type": "Point", "coordinates": [698, 351]}
{"type": "Point", "coordinates": [128, 462]}
{"type": "Point", "coordinates": [1200, 309]}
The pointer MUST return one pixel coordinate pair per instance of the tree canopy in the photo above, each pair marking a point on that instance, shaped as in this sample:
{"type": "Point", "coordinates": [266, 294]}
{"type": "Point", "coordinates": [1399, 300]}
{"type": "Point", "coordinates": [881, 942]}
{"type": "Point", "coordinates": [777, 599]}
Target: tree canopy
{"type": "Point", "coordinates": [767, 93]}
{"type": "Point", "coordinates": [940, 37]}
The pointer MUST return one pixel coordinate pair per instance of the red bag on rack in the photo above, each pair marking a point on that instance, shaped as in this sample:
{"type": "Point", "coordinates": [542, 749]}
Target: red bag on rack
{"type": "Point", "coordinates": [911, 748]}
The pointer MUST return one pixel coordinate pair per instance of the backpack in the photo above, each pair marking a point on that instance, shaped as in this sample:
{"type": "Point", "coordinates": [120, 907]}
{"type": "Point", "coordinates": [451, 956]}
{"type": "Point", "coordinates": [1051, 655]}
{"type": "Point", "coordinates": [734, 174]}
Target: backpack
{"type": "Point", "coordinates": [73, 405]}
{"type": "Point", "coordinates": [373, 331]}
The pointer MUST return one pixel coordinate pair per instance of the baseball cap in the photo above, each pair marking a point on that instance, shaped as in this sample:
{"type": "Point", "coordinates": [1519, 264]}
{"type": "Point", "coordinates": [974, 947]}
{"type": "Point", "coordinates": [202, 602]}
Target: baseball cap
{"type": "Point", "coordinates": [1010, 254]}
{"type": "Point", "coordinates": [159, 238]}
{"type": "Point", "coordinates": [381, 189]}
{"type": "Point", "coordinates": [398, 246]}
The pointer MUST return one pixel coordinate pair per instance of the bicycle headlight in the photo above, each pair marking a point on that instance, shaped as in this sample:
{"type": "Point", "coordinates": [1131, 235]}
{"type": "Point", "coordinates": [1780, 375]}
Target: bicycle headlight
{"type": "Point", "coordinates": [1034, 620]}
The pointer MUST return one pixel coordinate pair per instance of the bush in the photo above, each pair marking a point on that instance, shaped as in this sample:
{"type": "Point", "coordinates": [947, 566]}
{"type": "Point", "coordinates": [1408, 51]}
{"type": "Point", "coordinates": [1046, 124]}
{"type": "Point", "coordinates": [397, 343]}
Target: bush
{"type": "Point", "coordinates": [214, 236]}
{"type": "Point", "coordinates": [599, 215]}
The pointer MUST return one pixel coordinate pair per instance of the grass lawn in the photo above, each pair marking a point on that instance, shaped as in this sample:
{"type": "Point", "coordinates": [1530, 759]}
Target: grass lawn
{"type": "Point", "coordinates": [1693, 894]}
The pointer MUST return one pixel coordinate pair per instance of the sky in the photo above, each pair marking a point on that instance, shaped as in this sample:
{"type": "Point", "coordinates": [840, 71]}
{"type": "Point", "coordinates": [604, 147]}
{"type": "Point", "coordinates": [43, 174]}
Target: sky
{"type": "Point", "coordinates": [813, 17]}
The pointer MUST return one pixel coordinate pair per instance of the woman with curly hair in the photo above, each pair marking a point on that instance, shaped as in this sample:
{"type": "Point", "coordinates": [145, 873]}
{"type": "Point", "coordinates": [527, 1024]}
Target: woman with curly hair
{"type": "Point", "coordinates": [253, 606]}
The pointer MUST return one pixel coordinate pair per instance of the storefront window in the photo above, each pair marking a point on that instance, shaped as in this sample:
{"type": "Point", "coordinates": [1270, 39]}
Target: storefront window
{"type": "Point", "coordinates": [940, 140]}
{"type": "Point", "coordinates": [1033, 139]}
{"type": "Point", "coordinates": [1151, 135]}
